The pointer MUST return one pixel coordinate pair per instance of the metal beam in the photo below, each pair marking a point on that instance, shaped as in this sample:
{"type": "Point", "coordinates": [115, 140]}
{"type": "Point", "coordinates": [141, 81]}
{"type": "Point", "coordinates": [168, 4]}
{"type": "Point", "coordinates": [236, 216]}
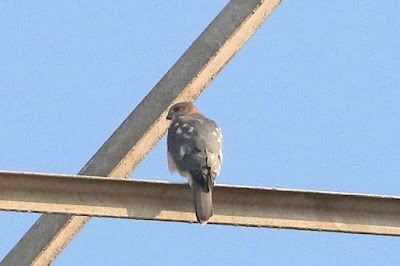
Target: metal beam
{"type": "Point", "coordinates": [130, 143]}
{"type": "Point", "coordinates": [233, 205]}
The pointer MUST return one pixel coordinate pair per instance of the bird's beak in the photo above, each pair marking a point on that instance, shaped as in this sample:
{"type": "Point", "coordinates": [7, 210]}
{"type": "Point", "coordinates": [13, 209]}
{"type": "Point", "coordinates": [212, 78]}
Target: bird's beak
{"type": "Point", "coordinates": [169, 117]}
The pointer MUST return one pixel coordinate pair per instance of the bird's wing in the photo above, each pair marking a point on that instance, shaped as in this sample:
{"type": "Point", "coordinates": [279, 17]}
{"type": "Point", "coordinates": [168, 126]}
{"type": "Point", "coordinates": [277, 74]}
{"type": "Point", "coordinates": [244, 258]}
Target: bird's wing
{"type": "Point", "coordinates": [195, 144]}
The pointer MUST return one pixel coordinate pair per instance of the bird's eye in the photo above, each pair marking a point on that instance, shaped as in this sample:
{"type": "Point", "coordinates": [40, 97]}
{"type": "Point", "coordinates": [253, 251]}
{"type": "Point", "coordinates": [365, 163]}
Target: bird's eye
{"type": "Point", "coordinates": [176, 109]}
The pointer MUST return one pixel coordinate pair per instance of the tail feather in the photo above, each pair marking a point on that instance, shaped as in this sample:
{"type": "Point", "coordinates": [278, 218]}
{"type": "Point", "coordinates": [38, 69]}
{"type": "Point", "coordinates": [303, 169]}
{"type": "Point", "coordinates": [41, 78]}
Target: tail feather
{"type": "Point", "coordinates": [202, 203]}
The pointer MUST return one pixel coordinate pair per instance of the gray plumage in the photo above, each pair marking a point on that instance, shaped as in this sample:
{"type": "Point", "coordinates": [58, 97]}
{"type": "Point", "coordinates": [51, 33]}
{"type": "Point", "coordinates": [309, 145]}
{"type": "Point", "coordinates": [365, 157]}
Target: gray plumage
{"type": "Point", "coordinates": [195, 151]}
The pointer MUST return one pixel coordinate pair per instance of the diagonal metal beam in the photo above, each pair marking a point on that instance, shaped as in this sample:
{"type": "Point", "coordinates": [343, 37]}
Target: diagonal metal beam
{"type": "Point", "coordinates": [130, 143]}
{"type": "Point", "coordinates": [233, 205]}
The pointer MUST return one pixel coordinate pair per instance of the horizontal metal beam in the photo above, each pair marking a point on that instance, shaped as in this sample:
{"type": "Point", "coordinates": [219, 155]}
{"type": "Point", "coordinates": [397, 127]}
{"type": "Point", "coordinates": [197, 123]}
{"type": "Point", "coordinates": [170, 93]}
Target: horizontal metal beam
{"type": "Point", "coordinates": [233, 205]}
{"type": "Point", "coordinates": [131, 142]}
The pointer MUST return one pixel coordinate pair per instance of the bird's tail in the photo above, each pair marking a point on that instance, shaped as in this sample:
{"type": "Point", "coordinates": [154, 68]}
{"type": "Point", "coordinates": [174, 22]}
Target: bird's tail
{"type": "Point", "coordinates": [202, 203]}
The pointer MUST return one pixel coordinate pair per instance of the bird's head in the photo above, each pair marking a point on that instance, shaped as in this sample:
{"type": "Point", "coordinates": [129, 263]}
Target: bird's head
{"type": "Point", "coordinates": [180, 109]}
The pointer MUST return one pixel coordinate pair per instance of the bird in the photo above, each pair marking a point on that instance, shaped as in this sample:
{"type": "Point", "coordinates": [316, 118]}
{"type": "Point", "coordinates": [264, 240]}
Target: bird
{"type": "Point", "coordinates": [195, 152]}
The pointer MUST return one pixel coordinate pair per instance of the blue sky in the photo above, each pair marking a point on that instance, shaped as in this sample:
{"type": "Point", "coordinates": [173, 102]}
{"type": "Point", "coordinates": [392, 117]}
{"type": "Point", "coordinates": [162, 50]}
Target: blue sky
{"type": "Point", "coordinates": [310, 102]}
